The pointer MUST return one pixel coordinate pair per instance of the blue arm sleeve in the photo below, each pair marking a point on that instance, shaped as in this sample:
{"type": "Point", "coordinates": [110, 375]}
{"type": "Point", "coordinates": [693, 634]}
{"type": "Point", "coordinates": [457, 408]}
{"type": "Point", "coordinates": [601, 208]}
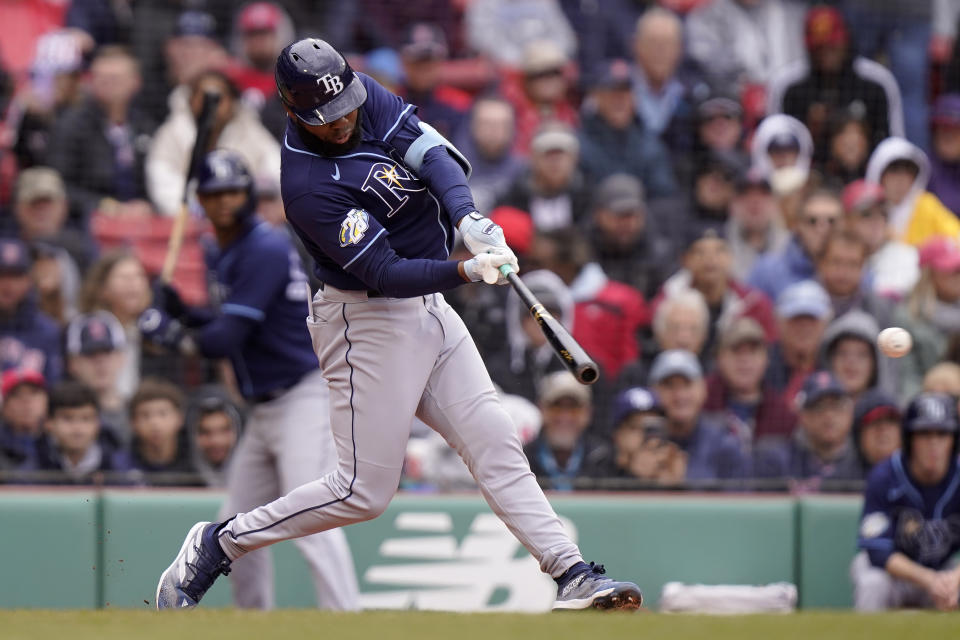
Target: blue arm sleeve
{"type": "Point", "coordinates": [876, 523]}
{"type": "Point", "coordinates": [253, 285]}
{"type": "Point", "coordinates": [396, 123]}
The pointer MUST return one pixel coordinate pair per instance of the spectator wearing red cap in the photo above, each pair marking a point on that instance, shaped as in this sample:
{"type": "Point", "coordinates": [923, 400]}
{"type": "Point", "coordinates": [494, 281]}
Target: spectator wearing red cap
{"type": "Point", "coordinates": [260, 31]}
{"type": "Point", "coordinates": [945, 151]}
{"type": "Point", "coordinates": [835, 79]}
{"type": "Point", "coordinates": [891, 265]}
{"type": "Point", "coordinates": [931, 313]}
{"type": "Point", "coordinates": [24, 408]}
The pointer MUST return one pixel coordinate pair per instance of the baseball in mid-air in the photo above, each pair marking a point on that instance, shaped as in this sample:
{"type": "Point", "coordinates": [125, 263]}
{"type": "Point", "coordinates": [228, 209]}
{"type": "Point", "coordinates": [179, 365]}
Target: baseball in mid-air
{"type": "Point", "coordinates": [894, 342]}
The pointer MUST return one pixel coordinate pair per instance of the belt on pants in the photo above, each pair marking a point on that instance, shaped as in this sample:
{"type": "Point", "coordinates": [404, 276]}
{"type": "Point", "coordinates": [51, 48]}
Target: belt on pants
{"type": "Point", "coordinates": [371, 293]}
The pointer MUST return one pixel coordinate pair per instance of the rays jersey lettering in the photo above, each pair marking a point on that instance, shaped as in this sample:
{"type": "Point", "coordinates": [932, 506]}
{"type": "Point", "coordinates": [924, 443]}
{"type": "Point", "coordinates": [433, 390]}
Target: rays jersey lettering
{"type": "Point", "coordinates": [391, 183]}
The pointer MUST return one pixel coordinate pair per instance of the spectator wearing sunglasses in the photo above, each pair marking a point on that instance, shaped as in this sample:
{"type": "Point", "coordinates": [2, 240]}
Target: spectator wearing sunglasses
{"type": "Point", "coordinates": [818, 215]}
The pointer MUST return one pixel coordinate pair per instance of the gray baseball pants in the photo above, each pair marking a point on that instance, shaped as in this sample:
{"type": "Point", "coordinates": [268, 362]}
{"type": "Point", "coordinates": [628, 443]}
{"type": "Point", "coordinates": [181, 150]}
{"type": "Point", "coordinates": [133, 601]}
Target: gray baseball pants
{"type": "Point", "coordinates": [286, 443]}
{"type": "Point", "coordinates": [386, 360]}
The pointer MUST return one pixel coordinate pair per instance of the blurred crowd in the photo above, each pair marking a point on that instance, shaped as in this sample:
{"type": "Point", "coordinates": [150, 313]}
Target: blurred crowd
{"type": "Point", "coordinates": [725, 201]}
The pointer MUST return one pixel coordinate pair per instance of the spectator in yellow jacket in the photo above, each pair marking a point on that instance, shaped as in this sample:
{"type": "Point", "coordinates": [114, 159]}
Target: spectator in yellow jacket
{"type": "Point", "coordinates": [915, 214]}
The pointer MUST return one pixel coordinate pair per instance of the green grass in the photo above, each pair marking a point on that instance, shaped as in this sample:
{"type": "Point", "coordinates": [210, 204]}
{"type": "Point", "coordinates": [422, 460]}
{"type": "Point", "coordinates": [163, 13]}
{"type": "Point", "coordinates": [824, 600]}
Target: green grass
{"type": "Point", "coordinates": [228, 624]}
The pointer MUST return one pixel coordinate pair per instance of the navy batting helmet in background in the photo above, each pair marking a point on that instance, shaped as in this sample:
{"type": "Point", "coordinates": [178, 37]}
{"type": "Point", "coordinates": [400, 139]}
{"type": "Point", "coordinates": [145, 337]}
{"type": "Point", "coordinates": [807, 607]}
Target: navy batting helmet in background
{"type": "Point", "coordinates": [930, 412]}
{"type": "Point", "coordinates": [224, 170]}
{"type": "Point", "coordinates": [316, 83]}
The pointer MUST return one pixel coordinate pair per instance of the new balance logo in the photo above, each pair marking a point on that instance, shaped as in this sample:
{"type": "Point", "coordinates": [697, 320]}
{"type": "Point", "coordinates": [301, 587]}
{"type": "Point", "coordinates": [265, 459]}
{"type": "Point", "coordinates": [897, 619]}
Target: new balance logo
{"type": "Point", "coordinates": [331, 83]}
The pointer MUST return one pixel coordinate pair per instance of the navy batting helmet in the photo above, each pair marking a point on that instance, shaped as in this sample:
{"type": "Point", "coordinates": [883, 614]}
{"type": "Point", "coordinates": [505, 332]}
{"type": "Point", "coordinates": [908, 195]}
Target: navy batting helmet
{"type": "Point", "coordinates": [930, 412]}
{"type": "Point", "coordinates": [224, 170]}
{"type": "Point", "coordinates": [316, 83]}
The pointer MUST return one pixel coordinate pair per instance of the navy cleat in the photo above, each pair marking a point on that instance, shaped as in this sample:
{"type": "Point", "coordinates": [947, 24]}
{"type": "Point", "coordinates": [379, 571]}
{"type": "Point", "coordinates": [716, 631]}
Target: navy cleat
{"type": "Point", "coordinates": [587, 587]}
{"type": "Point", "coordinates": [194, 569]}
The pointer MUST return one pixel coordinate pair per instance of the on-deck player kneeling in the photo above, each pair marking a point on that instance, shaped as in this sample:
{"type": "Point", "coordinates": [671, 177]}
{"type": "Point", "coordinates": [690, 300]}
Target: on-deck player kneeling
{"type": "Point", "coordinates": [374, 193]}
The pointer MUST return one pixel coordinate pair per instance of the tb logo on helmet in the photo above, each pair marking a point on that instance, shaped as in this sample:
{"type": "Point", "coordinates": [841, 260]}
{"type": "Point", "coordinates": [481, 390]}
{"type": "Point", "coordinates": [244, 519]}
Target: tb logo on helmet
{"type": "Point", "coordinates": [331, 83]}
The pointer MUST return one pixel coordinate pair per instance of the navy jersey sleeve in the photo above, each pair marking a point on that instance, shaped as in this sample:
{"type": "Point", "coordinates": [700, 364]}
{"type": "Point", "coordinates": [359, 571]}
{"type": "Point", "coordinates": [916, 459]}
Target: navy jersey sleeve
{"type": "Point", "coordinates": [876, 522]}
{"type": "Point", "coordinates": [254, 283]}
{"type": "Point", "coordinates": [358, 243]}
{"type": "Point", "coordinates": [395, 122]}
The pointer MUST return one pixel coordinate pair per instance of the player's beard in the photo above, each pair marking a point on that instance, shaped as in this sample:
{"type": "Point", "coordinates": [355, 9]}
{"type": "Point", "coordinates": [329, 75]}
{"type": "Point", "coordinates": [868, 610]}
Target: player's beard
{"type": "Point", "coordinates": [327, 149]}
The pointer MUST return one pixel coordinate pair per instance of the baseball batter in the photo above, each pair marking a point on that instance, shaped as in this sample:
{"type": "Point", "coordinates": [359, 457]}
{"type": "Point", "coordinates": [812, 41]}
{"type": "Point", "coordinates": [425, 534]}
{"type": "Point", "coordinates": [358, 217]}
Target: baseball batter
{"type": "Point", "coordinates": [260, 289]}
{"type": "Point", "coordinates": [375, 194]}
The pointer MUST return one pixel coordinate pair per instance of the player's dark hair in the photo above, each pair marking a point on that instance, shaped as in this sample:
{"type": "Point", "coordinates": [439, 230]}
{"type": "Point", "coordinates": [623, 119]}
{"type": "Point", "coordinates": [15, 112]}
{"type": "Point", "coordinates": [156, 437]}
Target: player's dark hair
{"type": "Point", "coordinates": [156, 389]}
{"type": "Point", "coordinates": [71, 394]}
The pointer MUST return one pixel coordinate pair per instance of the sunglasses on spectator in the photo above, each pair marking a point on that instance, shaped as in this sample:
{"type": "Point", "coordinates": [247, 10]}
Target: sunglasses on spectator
{"type": "Point", "coordinates": [816, 221]}
{"type": "Point", "coordinates": [546, 73]}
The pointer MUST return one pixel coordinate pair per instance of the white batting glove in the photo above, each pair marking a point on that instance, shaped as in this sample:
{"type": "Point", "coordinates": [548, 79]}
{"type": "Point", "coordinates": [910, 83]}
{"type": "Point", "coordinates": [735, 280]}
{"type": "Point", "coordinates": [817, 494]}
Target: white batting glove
{"type": "Point", "coordinates": [481, 235]}
{"type": "Point", "coordinates": [486, 267]}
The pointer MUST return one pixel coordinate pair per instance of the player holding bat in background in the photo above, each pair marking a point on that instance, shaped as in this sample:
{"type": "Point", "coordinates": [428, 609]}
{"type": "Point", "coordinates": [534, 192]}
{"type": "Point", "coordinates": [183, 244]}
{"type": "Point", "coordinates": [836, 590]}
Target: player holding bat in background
{"type": "Point", "coordinates": [375, 194]}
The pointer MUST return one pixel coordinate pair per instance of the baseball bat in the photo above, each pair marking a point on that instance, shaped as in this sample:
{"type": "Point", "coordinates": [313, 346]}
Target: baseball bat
{"type": "Point", "coordinates": [567, 349]}
{"type": "Point", "coordinates": [211, 100]}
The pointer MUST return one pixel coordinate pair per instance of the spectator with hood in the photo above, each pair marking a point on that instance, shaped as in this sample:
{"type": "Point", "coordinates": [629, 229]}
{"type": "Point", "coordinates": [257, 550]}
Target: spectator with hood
{"type": "Point", "coordinates": [914, 214]}
{"type": "Point", "coordinates": [849, 351]}
{"type": "Point", "coordinates": [835, 79]}
{"type": "Point", "coordinates": [945, 151]}
{"type": "Point", "coordinates": [782, 142]}
{"type": "Point", "coordinates": [29, 338]}
{"type": "Point", "coordinates": [892, 265]}
{"type": "Point", "coordinates": [614, 140]}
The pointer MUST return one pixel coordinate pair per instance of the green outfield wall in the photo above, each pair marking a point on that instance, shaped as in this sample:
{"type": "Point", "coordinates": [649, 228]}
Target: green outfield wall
{"type": "Point", "coordinates": [82, 549]}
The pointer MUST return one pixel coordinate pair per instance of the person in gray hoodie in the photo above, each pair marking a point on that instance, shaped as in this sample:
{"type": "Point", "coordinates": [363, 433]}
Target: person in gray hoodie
{"type": "Point", "coordinates": [849, 351]}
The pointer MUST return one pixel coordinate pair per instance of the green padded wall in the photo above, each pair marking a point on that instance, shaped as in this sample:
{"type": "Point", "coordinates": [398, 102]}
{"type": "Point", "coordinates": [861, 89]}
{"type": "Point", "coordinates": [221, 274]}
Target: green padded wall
{"type": "Point", "coordinates": [59, 527]}
{"type": "Point", "coordinates": [828, 540]}
{"type": "Point", "coordinates": [143, 530]}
